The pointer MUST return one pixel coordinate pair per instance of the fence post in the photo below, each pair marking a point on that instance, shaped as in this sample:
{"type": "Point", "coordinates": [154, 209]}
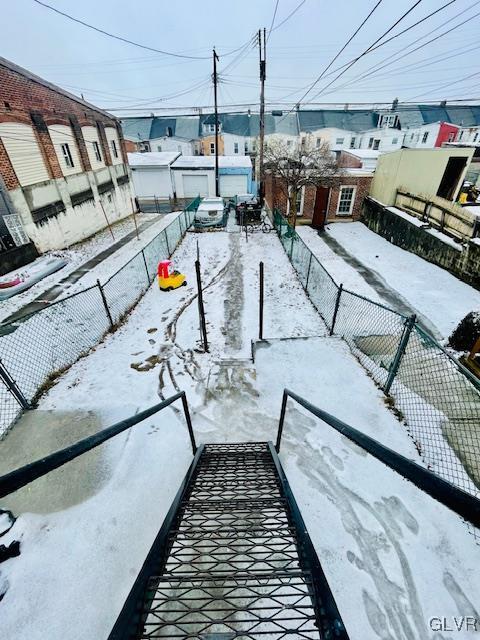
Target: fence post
{"type": "Point", "coordinates": [146, 267]}
{"type": "Point", "coordinates": [13, 387]}
{"type": "Point", "coordinates": [308, 271]}
{"type": "Point", "coordinates": [260, 330]}
{"type": "Point", "coordinates": [407, 330]}
{"type": "Point", "coordinates": [105, 304]}
{"type": "Point", "coordinates": [201, 308]}
{"type": "Point", "coordinates": [166, 240]}
{"type": "Point", "coordinates": [337, 305]}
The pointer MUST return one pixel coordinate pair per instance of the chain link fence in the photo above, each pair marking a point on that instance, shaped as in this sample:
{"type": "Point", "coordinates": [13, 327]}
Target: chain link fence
{"type": "Point", "coordinates": [438, 398]}
{"type": "Point", "coordinates": [35, 348]}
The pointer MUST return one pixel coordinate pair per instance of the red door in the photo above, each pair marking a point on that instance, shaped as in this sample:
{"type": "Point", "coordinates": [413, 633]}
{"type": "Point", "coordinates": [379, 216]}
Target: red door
{"type": "Point", "coordinates": [320, 210]}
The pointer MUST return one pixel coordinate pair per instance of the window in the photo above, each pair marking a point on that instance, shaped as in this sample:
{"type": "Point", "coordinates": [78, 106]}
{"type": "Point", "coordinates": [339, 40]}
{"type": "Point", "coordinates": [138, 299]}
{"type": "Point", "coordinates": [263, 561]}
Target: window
{"type": "Point", "coordinates": [254, 146]}
{"type": "Point", "coordinates": [411, 137]}
{"type": "Point", "coordinates": [387, 121]}
{"type": "Point", "coordinates": [339, 140]}
{"type": "Point", "coordinates": [376, 144]}
{"type": "Point", "coordinates": [425, 137]}
{"type": "Point", "coordinates": [96, 150]}
{"type": "Point", "coordinates": [67, 156]}
{"type": "Point", "coordinates": [370, 143]}
{"type": "Point", "coordinates": [113, 144]}
{"type": "Point", "coordinates": [461, 135]}
{"type": "Point", "coordinates": [352, 143]}
{"type": "Point", "coordinates": [345, 201]}
{"type": "Point", "coordinates": [289, 143]}
{"type": "Point", "coordinates": [451, 137]}
{"type": "Point", "coordinates": [475, 137]}
{"type": "Point", "coordinates": [235, 147]}
{"type": "Point", "coordinates": [319, 142]}
{"type": "Point", "coordinates": [394, 140]}
{"type": "Point", "coordinates": [159, 147]}
{"type": "Point", "coordinates": [246, 147]}
{"type": "Point", "coordinates": [212, 148]}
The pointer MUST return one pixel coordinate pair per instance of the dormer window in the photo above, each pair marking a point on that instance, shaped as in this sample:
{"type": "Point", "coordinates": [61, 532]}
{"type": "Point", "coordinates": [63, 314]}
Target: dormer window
{"type": "Point", "coordinates": [387, 121]}
{"type": "Point", "coordinates": [210, 128]}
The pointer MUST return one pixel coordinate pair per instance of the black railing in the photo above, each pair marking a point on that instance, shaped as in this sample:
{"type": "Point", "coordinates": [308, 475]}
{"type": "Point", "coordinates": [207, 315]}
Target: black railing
{"type": "Point", "coordinates": [19, 478]}
{"type": "Point", "coordinates": [462, 503]}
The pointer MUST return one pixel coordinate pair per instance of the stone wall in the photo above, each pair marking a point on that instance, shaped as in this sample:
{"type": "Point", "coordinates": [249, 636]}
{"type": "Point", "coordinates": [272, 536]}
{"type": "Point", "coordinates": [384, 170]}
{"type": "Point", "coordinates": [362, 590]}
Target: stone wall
{"type": "Point", "coordinates": [463, 260]}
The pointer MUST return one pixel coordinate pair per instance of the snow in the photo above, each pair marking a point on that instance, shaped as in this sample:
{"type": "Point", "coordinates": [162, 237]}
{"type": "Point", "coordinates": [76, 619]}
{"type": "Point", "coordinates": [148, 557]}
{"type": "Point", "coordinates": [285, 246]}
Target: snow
{"type": "Point", "coordinates": [444, 238]}
{"type": "Point", "coordinates": [208, 162]}
{"type": "Point", "coordinates": [406, 216]}
{"type": "Point", "coordinates": [393, 557]}
{"type": "Point", "coordinates": [336, 266]}
{"type": "Point", "coordinates": [473, 209]}
{"type": "Point", "coordinates": [152, 158]}
{"type": "Point", "coordinates": [76, 256]}
{"type": "Point", "coordinates": [437, 294]}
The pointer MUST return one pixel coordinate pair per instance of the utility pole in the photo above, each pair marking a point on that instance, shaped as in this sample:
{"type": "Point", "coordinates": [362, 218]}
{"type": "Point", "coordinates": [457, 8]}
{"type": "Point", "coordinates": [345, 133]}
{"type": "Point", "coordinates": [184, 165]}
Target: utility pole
{"type": "Point", "coordinates": [215, 81]}
{"type": "Point", "coordinates": [263, 66]}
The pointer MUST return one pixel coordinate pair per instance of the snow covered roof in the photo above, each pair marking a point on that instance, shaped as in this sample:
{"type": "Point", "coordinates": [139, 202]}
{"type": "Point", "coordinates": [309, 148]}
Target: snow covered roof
{"type": "Point", "coordinates": [208, 162]}
{"type": "Point", "coordinates": [152, 159]}
{"type": "Point", "coordinates": [136, 128]}
{"type": "Point", "coordinates": [363, 153]}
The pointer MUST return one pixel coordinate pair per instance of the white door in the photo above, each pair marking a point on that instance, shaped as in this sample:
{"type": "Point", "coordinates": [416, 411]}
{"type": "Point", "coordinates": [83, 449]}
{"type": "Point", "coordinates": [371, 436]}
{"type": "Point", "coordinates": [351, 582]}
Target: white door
{"type": "Point", "coordinates": [195, 186]}
{"type": "Point", "coordinates": [233, 185]}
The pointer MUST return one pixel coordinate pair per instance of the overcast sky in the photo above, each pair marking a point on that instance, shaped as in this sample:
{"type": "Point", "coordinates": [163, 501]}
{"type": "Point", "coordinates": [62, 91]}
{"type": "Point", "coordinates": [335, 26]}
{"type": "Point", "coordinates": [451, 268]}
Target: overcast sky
{"type": "Point", "coordinates": [116, 75]}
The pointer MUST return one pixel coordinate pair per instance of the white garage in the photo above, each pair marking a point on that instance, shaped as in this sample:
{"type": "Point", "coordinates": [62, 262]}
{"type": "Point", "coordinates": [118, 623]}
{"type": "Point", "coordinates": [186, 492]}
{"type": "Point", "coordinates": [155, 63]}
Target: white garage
{"type": "Point", "coordinates": [232, 185]}
{"type": "Point", "coordinates": [194, 185]}
{"type": "Point", "coordinates": [151, 173]}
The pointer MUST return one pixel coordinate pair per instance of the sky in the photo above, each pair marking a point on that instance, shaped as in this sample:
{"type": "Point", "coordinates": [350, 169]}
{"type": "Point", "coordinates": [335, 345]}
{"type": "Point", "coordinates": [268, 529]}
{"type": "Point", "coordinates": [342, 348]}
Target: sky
{"type": "Point", "coordinates": [129, 80]}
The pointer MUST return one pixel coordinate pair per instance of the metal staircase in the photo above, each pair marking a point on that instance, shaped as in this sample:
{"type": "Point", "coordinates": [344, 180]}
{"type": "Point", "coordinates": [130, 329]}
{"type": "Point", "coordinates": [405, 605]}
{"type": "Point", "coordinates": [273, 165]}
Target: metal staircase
{"type": "Point", "coordinates": [236, 561]}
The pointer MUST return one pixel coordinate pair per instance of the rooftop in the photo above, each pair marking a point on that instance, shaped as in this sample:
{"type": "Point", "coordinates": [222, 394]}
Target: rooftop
{"type": "Point", "coordinates": [208, 162]}
{"type": "Point", "coordinates": [152, 159]}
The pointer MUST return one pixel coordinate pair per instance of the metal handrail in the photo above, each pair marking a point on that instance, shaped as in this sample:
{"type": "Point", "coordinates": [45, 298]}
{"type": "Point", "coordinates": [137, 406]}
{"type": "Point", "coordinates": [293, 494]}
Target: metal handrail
{"type": "Point", "coordinates": [19, 478]}
{"type": "Point", "coordinates": [457, 500]}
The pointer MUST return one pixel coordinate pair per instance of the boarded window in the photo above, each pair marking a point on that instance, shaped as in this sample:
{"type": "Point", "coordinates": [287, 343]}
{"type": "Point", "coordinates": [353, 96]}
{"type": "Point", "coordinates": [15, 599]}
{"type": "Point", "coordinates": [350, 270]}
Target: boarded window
{"type": "Point", "coordinates": [24, 152]}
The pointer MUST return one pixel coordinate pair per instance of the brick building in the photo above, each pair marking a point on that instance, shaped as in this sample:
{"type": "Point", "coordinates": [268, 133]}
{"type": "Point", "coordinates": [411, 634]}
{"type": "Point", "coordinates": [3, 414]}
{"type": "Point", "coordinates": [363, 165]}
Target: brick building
{"type": "Point", "coordinates": [319, 205]}
{"type": "Point", "coordinates": [63, 167]}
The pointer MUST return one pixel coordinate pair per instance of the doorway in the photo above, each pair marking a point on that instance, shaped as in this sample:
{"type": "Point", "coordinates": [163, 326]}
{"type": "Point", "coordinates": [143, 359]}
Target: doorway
{"type": "Point", "coordinates": [451, 177]}
{"type": "Point", "coordinates": [319, 217]}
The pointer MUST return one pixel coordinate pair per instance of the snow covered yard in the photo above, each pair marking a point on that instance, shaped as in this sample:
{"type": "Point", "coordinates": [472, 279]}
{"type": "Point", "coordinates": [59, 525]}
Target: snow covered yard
{"type": "Point", "coordinates": [84, 251]}
{"type": "Point", "coordinates": [432, 291]}
{"type": "Point", "coordinates": [393, 557]}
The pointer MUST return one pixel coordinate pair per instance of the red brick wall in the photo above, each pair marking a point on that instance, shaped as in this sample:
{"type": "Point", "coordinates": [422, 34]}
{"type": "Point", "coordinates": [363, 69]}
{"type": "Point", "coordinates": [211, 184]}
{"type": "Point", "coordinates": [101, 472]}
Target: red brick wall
{"type": "Point", "coordinates": [25, 100]}
{"type": "Point", "coordinates": [275, 197]}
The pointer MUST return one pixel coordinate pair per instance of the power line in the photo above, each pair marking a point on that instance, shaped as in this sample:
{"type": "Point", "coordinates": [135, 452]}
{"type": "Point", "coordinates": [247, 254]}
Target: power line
{"type": "Point", "coordinates": [273, 19]}
{"type": "Point", "coordinates": [126, 40]}
{"type": "Point", "coordinates": [376, 67]}
{"type": "Point", "coordinates": [339, 53]}
{"type": "Point", "coordinates": [447, 85]}
{"type": "Point", "coordinates": [290, 15]}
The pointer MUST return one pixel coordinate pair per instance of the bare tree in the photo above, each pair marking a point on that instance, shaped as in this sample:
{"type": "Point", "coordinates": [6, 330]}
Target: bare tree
{"type": "Point", "coordinates": [300, 165]}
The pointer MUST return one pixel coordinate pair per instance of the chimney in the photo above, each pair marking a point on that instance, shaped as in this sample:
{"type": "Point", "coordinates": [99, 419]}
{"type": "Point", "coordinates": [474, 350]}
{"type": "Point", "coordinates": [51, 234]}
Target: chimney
{"type": "Point", "coordinates": [395, 104]}
{"type": "Point", "coordinates": [443, 103]}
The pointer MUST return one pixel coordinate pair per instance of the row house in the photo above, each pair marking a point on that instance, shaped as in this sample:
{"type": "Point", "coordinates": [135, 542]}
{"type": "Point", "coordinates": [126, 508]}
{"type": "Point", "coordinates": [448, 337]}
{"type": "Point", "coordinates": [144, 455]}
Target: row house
{"type": "Point", "coordinates": [63, 167]}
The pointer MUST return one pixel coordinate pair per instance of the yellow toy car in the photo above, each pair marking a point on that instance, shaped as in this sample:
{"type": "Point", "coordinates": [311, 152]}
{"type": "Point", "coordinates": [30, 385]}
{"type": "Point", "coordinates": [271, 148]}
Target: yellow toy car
{"type": "Point", "coordinates": [168, 278]}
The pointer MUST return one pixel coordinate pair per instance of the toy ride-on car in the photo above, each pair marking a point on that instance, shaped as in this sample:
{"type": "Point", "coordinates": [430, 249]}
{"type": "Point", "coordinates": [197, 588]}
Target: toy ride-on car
{"type": "Point", "coordinates": [168, 278]}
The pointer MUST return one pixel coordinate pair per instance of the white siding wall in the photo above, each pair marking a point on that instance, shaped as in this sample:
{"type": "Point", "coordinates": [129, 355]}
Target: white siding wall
{"type": "Point", "coordinates": [468, 135]}
{"type": "Point", "coordinates": [62, 134]}
{"type": "Point", "coordinates": [24, 152]}
{"type": "Point", "coordinates": [90, 135]}
{"type": "Point", "coordinates": [413, 138]}
{"type": "Point", "coordinates": [389, 139]}
{"type": "Point", "coordinates": [112, 137]}
{"type": "Point", "coordinates": [331, 136]}
{"type": "Point", "coordinates": [168, 143]}
{"type": "Point", "coordinates": [230, 140]}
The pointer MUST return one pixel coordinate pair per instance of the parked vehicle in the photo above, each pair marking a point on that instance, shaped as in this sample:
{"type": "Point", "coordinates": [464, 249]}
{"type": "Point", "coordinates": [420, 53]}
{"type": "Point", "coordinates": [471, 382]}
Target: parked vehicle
{"type": "Point", "coordinates": [247, 208]}
{"type": "Point", "coordinates": [211, 213]}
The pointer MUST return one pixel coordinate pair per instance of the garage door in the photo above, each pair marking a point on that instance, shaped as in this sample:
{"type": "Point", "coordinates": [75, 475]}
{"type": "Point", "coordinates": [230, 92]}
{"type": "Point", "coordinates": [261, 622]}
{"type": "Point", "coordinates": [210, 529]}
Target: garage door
{"type": "Point", "coordinates": [233, 185]}
{"type": "Point", "coordinates": [195, 185]}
